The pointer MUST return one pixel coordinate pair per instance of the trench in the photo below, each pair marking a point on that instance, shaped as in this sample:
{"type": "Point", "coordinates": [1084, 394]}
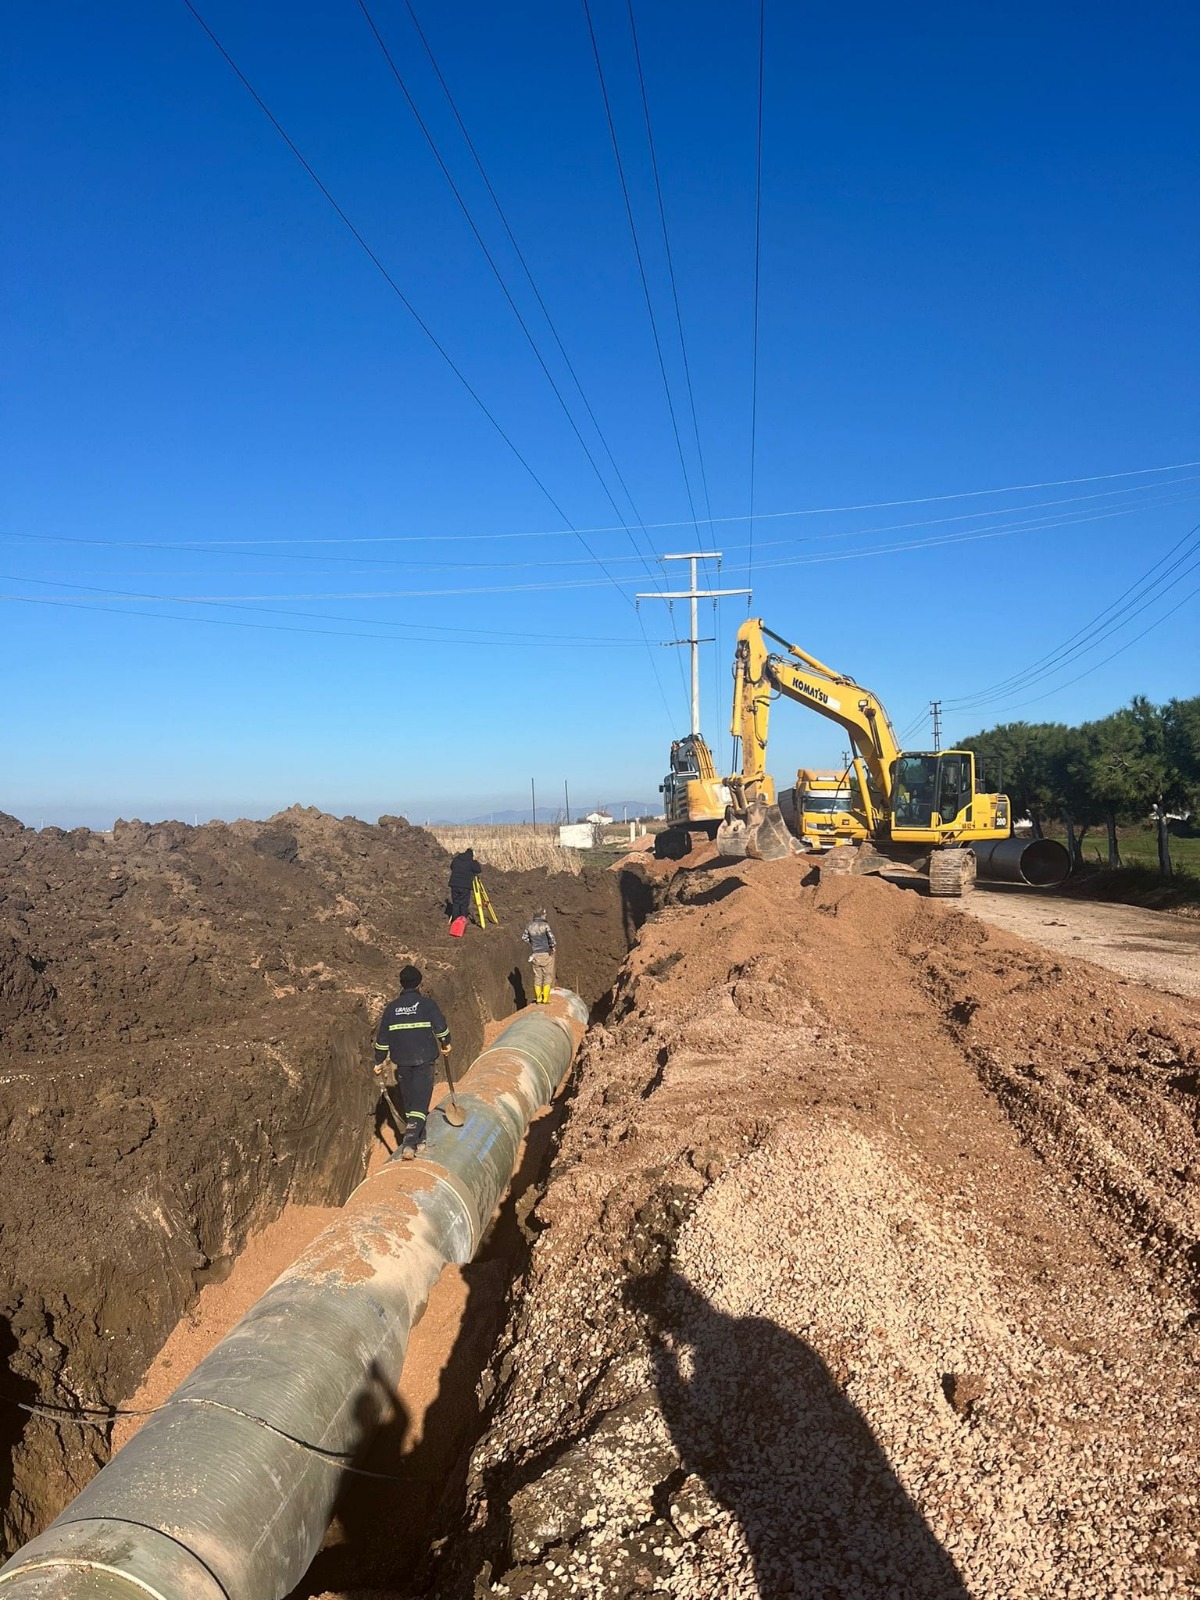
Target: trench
{"type": "Point", "coordinates": [384, 1527]}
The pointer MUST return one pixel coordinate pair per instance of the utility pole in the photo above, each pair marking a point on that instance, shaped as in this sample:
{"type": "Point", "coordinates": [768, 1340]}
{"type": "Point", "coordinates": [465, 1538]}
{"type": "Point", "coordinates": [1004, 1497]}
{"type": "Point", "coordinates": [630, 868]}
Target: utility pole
{"type": "Point", "coordinates": [566, 801]}
{"type": "Point", "coordinates": [935, 707]}
{"type": "Point", "coordinates": [693, 594]}
{"type": "Point", "coordinates": [533, 801]}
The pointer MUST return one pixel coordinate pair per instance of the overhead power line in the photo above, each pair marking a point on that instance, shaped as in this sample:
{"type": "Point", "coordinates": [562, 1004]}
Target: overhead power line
{"type": "Point", "coordinates": [516, 311]}
{"type": "Point", "coordinates": [500, 279]}
{"type": "Point", "coordinates": [761, 516]}
{"type": "Point", "coordinates": [396, 289]}
{"type": "Point", "coordinates": [762, 25]}
{"type": "Point", "coordinates": [525, 267]}
{"type": "Point", "coordinates": [419, 631]}
{"type": "Point", "coordinates": [1026, 526]}
{"type": "Point", "coordinates": [1128, 645]}
{"type": "Point", "coordinates": [232, 547]}
{"type": "Point", "coordinates": [1137, 598]}
{"type": "Point", "coordinates": [662, 217]}
{"type": "Point", "coordinates": [1147, 591]}
{"type": "Point", "coordinates": [637, 250]}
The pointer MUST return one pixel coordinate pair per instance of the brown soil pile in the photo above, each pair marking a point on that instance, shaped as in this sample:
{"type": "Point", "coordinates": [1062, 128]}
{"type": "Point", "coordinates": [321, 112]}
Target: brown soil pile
{"type": "Point", "coordinates": [868, 1266]}
{"type": "Point", "coordinates": [185, 1023]}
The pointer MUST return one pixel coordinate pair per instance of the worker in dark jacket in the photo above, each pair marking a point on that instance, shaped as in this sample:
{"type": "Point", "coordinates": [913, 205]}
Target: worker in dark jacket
{"type": "Point", "coordinates": [464, 869]}
{"type": "Point", "coordinates": [411, 1032]}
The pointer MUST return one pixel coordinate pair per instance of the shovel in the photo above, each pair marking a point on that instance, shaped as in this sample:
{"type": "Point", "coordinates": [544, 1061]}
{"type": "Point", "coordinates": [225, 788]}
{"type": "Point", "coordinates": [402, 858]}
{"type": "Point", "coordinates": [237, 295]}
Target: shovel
{"type": "Point", "coordinates": [453, 1113]}
{"type": "Point", "coordinates": [391, 1116]}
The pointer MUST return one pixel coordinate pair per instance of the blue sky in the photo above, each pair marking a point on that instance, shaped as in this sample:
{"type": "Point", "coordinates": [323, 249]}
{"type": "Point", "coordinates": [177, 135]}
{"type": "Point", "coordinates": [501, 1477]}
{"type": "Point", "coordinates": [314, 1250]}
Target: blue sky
{"type": "Point", "coordinates": [978, 270]}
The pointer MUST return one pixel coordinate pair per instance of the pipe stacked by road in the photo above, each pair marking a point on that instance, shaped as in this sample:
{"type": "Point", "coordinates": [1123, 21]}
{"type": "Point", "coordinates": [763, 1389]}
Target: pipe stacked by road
{"type": "Point", "coordinates": [1042, 863]}
{"type": "Point", "coordinates": [226, 1491]}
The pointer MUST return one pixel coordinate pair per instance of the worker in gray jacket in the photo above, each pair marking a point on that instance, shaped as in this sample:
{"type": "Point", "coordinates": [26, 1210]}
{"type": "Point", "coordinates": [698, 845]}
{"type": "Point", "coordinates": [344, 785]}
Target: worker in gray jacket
{"type": "Point", "coordinates": [542, 945]}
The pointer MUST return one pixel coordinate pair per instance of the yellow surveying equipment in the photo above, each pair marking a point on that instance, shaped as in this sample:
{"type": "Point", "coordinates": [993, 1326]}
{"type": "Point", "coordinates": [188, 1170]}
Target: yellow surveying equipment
{"type": "Point", "coordinates": [483, 906]}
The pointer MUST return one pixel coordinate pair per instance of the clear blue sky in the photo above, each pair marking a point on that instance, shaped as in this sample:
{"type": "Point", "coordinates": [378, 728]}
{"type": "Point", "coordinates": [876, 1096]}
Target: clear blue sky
{"type": "Point", "coordinates": [979, 264]}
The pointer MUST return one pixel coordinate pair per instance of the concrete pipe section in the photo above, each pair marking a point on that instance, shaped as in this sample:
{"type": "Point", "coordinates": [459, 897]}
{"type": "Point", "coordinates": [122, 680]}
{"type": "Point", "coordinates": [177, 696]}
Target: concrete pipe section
{"type": "Point", "coordinates": [1043, 863]}
{"type": "Point", "coordinates": [227, 1490]}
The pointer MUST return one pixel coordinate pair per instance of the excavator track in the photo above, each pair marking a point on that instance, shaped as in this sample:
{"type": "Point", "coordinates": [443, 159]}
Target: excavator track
{"type": "Point", "coordinates": [951, 873]}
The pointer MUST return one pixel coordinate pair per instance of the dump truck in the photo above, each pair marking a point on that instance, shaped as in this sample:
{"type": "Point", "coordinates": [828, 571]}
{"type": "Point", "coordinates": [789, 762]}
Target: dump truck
{"type": "Point", "coordinates": [819, 810]}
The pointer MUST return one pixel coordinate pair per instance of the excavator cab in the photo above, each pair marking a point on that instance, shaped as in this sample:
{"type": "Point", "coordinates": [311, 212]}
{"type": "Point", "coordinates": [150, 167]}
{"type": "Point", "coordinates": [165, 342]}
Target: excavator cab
{"type": "Point", "coordinates": [936, 799]}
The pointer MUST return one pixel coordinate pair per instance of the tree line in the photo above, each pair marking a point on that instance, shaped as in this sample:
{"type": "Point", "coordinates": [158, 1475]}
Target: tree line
{"type": "Point", "coordinates": [1141, 762]}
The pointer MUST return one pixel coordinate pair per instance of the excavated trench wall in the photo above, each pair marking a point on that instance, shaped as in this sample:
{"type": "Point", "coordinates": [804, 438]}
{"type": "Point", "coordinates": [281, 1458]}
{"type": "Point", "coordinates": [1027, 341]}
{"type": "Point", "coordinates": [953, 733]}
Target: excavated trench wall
{"type": "Point", "coordinates": [185, 1021]}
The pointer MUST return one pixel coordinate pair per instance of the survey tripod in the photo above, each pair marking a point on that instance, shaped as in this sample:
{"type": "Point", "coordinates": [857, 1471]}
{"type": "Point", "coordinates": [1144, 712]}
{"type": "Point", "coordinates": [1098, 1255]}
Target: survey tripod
{"type": "Point", "coordinates": [483, 906]}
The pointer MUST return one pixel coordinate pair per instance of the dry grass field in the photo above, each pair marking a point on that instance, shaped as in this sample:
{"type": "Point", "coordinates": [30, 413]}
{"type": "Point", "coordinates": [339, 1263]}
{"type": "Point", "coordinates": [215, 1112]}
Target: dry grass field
{"type": "Point", "coordinates": [515, 847]}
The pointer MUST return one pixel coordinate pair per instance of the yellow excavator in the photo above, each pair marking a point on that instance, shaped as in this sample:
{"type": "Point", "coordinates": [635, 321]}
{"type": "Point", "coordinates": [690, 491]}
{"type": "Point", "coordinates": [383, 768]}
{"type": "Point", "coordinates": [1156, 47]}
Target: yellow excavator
{"type": "Point", "coordinates": [695, 798]}
{"type": "Point", "coordinates": [943, 805]}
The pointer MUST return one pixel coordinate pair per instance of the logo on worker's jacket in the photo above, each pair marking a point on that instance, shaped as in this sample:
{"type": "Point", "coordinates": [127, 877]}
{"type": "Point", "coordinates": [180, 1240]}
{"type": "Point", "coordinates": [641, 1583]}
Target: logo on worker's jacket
{"type": "Point", "coordinates": [817, 694]}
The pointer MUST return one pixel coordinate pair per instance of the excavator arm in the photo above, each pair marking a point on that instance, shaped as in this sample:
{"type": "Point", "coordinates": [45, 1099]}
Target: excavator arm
{"type": "Point", "coordinates": [760, 674]}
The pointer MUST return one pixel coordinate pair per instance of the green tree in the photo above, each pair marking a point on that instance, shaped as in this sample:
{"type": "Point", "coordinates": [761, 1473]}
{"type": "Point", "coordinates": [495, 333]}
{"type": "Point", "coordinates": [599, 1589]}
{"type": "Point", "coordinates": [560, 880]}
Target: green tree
{"type": "Point", "coordinates": [1133, 773]}
{"type": "Point", "coordinates": [1028, 752]}
{"type": "Point", "coordinates": [1074, 791]}
{"type": "Point", "coordinates": [1181, 739]}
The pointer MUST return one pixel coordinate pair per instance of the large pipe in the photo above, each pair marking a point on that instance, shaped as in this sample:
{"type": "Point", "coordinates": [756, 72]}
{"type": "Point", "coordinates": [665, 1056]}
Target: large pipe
{"type": "Point", "coordinates": [1044, 863]}
{"type": "Point", "coordinates": [227, 1490]}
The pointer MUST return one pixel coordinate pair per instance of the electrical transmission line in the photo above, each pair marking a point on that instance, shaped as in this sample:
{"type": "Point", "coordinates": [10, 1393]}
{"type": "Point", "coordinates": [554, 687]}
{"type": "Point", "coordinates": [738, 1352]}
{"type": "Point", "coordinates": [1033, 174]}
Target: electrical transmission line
{"type": "Point", "coordinates": [637, 250]}
{"type": "Point", "coordinates": [762, 23]}
{"type": "Point", "coordinates": [516, 311]}
{"type": "Point", "coordinates": [399, 293]}
{"type": "Point", "coordinates": [1179, 562]}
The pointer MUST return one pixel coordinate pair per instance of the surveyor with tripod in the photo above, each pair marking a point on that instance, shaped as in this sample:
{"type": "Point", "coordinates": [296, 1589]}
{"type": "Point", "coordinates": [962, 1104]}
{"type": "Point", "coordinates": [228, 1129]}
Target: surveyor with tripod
{"type": "Point", "coordinates": [464, 869]}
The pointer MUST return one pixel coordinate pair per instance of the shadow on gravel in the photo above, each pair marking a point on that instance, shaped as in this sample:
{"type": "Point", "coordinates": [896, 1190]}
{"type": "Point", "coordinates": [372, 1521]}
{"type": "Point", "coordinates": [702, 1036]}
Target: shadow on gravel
{"type": "Point", "coordinates": [757, 1416]}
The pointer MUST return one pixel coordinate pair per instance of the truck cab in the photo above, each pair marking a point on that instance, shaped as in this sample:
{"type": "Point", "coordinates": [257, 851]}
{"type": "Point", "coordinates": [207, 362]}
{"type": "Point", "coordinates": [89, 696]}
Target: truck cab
{"type": "Point", "coordinates": [820, 810]}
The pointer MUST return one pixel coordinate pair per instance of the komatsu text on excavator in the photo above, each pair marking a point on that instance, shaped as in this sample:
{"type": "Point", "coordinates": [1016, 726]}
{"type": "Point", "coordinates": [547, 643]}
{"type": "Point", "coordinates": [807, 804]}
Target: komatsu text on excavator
{"type": "Point", "coordinates": [945, 805]}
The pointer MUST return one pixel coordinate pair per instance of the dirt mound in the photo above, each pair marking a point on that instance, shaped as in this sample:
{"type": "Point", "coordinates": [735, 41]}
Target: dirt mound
{"type": "Point", "coordinates": [868, 1265]}
{"type": "Point", "coordinates": [185, 1019]}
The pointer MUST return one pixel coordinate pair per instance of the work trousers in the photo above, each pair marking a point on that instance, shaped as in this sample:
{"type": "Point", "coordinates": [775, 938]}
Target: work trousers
{"type": "Point", "coordinates": [460, 900]}
{"type": "Point", "coordinates": [542, 962]}
{"type": "Point", "coordinates": [413, 1091]}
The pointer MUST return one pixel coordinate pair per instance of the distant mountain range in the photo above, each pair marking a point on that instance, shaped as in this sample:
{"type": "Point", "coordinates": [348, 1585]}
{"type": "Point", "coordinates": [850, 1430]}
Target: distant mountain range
{"type": "Point", "coordinates": [615, 808]}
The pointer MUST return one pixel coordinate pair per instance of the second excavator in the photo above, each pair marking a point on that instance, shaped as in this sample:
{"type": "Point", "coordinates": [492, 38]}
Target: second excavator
{"type": "Point", "coordinates": [942, 807]}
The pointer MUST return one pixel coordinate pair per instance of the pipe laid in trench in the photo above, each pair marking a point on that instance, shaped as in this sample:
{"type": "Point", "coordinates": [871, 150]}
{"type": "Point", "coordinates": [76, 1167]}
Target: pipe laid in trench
{"type": "Point", "coordinates": [228, 1488]}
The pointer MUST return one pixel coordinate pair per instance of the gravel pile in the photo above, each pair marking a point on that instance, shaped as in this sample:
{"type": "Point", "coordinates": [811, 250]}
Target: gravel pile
{"type": "Point", "coordinates": [812, 1312]}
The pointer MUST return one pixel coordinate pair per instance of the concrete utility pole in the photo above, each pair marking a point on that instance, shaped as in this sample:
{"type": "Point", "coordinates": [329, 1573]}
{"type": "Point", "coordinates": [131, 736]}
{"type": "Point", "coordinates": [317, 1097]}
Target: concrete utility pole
{"type": "Point", "coordinates": [566, 801]}
{"type": "Point", "coordinates": [693, 594]}
{"type": "Point", "coordinates": [935, 707]}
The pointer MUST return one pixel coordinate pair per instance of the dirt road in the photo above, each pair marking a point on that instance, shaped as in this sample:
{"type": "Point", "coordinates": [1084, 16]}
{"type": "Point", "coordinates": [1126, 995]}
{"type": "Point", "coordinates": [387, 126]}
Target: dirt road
{"type": "Point", "coordinates": [868, 1265]}
{"type": "Point", "coordinates": [1152, 947]}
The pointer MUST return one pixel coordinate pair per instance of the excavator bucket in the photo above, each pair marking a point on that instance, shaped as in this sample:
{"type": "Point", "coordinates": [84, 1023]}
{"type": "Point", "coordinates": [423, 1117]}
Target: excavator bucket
{"type": "Point", "coordinates": [858, 860]}
{"type": "Point", "coordinates": [732, 838]}
{"type": "Point", "coordinates": [762, 835]}
{"type": "Point", "coordinates": [769, 839]}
